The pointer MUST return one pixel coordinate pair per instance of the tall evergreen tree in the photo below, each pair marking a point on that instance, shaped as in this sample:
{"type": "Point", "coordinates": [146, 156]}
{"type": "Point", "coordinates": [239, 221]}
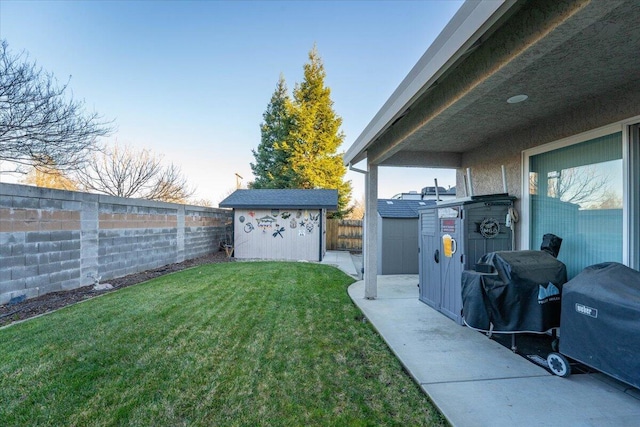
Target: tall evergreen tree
{"type": "Point", "coordinates": [271, 167]}
{"type": "Point", "coordinates": [315, 135]}
{"type": "Point", "coordinates": [300, 138]}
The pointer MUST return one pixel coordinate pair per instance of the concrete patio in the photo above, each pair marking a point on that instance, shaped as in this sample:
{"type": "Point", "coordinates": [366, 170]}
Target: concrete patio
{"type": "Point", "coordinates": [473, 380]}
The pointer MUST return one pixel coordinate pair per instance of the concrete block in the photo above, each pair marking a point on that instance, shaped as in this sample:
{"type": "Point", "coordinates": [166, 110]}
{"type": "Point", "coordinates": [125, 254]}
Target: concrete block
{"type": "Point", "coordinates": [32, 292]}
{"type": "Point", "coordinates": [89, 245]}
{"type": "Point", "coordinates": [37, 281]}
{"type": "Point", "coordinates": [24, 272]}
{"type": "Point", "coordinates": [6, 250]}
{"type": "Point", "coordinates": [86, 197]}
{"type": "Point", "coordinates": [25, 203]}
{"type": "Point", "coordinates": [11, 285]}
{"type": "Point", "coordinates": [30, 248]}
{"type": "Point", "coordinates": [32, 259]}
{"type": "Point", "coordinates": [48, 247]}
{"type": "Point", "coordinates": [111, 274]}
{"type": "Point", "coordinates": [89, 234]}
{"type": "Point", "coordinates": [71, 205]}
{"type": "Point", "coordinates": [5, 274]}
{"type": "Point", "coordinates": [50, 204]}
{"type": "Point", "coordinates": [89, 267]}
{"type": "Point", "coordinates": [38, 236]}
{"type": "Point", "coordinates": [60, 236]}
{"type": "Point", "coordinates": [13, 261]}
{"type": "Point", "coordinates": [73, 264]}
{"type": "Point", "coordinates": [17, 249]}
{"type": "Point", "coordinates": [49, 268]}
{"type": "Point", "coordinates": [70, 284]}
{"type": "Point", "coordinates": [59, 276]}
{"type": "Point", "coordinates": [120, 209]}
{"type": "Point", "coordinates": [14, 238]}
{"type": "Point", "coordinates": [6, 201]}
{"type": "Point", "coordinates": [107, 234]}
{"type": "Point", "coordinates": [69, 245]}
{"type": "Point", "coordinates": [105, 260]}
{"type": "Point", "coordinates": [111, 250]}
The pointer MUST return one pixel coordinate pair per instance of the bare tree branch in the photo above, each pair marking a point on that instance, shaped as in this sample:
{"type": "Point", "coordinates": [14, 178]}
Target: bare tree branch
{"type": "Point", "coordinates": [38, 124]}
{"type": "Point", "coordinates": [123, 172]}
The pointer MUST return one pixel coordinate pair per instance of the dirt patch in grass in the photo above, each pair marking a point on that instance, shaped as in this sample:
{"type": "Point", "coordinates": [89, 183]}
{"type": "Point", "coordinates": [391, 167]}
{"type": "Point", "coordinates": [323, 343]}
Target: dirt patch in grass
{"type": "Point", "coordinates": [10, 313]}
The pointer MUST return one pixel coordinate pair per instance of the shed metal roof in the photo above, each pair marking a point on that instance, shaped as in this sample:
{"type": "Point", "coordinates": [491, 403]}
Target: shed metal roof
{"type": "Point", "coordinates": [282, 198]}
{"type": "Point", "coordinates": [394, 208]}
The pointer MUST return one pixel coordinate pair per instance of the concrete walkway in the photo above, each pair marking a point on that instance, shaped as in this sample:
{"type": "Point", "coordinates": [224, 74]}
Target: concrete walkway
{"type": "Point", "coordinates": [343, 260]}
{"type": "Point", "coordinates": [475, 381]}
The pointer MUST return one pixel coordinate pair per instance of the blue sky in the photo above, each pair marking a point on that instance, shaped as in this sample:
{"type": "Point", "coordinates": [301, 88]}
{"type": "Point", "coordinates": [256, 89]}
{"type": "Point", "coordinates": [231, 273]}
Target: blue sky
{"type": "Point", "coordinates": [191, 80]}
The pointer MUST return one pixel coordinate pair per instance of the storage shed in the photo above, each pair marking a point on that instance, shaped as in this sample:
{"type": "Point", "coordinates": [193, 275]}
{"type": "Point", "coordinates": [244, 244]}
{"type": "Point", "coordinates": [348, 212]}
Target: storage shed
{"type": "Point", "coordinates": [398, 235]}
{"type": "Point", "coordinates": [288, 224]}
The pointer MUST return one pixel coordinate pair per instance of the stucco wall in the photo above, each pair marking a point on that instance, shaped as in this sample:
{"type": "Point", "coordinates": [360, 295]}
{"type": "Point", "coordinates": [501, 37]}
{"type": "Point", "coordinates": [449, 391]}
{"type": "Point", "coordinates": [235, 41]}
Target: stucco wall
{"type": "Point", "coordinates": [507, 149]}
{"type": "Point", "coordinates": [53, 240]}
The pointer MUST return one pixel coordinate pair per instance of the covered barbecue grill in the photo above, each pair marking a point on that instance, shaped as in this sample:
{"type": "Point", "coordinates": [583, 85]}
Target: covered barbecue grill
{"type": "Point", "coordinates": [516, 292]}
{"type": "Point", "coordinates": [600, 322]}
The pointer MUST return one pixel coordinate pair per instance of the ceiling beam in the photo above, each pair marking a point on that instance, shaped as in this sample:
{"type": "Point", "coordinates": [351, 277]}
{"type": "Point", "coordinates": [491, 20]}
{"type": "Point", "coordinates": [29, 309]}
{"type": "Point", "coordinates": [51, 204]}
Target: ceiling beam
{"type": "Point", "coordinates": [425, 159]}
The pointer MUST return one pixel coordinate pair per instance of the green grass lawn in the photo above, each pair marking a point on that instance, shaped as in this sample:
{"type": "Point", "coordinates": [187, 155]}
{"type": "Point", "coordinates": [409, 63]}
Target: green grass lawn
{"type": "Point", "coordinates": [260, 343]}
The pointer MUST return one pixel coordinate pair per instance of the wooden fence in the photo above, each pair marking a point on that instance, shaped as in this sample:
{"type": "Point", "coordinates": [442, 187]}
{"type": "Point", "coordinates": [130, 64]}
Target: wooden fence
{"type": "Point", "coordinates": [344, 235]}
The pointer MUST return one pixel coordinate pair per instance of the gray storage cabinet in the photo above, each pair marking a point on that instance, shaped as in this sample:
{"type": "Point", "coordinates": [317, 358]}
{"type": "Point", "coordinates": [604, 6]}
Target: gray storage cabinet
{"type": "Point", "coordinates": [477, 226]}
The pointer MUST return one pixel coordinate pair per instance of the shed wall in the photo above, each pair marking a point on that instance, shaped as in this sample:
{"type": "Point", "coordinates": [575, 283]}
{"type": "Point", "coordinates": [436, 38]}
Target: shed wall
{"type": "Point", "coordinates": [279, 234]}
{"type": "Point", "coordinates": [398, 243]}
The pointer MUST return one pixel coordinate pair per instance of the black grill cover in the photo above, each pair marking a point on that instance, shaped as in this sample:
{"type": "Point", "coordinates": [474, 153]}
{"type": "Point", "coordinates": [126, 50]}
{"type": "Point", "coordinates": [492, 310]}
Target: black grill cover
{"type": "Point", "coordinates": [600, 324]}
{"type": "Point", "coordinates": [523, 295]}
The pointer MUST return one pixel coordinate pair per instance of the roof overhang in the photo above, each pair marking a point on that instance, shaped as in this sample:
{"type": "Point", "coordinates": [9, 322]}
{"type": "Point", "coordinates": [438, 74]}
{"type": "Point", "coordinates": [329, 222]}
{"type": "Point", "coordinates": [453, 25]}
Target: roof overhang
{"type": "Point", "coordinates": [562, 54]}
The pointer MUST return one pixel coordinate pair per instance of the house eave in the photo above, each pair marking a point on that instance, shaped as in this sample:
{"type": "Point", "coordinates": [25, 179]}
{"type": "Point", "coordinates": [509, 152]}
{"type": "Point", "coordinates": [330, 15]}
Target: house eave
{"type": "Point", "coordinates": [472, 21]}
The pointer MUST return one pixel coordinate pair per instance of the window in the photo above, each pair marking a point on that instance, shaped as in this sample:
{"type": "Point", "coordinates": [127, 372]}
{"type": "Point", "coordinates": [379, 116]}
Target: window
{"type": "Point", "coordinates": [577, 193]}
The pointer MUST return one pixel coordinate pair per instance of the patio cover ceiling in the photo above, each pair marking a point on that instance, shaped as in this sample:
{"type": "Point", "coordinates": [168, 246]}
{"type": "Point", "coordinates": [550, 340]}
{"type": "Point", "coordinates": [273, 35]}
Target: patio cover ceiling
{"type": "Point", "coordinates": [561, 54]}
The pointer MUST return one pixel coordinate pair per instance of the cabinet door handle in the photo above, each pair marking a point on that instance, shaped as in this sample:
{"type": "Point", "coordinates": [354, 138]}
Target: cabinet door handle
{"type": "Point", "coordinates": [436, 256]}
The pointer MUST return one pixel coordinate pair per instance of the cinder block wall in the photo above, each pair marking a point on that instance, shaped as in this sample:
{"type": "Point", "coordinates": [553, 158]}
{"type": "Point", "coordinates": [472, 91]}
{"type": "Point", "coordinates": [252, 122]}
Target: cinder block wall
{"type": "Point", "coordinates": [52, 240]}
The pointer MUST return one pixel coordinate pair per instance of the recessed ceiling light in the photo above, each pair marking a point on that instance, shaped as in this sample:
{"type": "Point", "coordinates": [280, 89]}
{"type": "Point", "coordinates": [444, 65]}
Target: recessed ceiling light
{"type": "Point", "coordinates": [517, 98]}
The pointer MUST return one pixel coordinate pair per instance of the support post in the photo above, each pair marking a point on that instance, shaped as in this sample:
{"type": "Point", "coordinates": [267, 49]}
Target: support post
{"type": "Point", "coordinates": [371, 233]}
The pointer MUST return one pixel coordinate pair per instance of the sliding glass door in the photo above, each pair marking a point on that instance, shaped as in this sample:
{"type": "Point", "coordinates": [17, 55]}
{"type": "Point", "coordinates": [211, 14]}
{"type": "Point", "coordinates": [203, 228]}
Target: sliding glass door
{"type": "Point", "coordinates": [577, 193]}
